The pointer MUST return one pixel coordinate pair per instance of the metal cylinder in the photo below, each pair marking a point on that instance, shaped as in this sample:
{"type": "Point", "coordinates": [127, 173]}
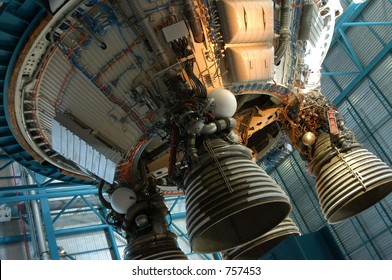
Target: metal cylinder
{"type": "Point", "coordinates": [348, 181]}
{"type": "Point", "coordinates": [154, 247]}
{"type": "Point", "coordinates": [149, 33]}
{"type": "Point", "coordinates": [258, 247]}
{"type": "Point", "coordinates": [285, 23]}
{"type": "Point", "coordinates": [229, 199]}
{"type": "Point", "coordinates": [194, 21]}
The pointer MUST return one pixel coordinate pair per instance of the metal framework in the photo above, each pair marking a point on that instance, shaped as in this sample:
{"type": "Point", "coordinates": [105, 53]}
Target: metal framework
{"type": "Point", "coordinates": [352, 18]}
{"type": "Point", "coordinates": [13, 35]}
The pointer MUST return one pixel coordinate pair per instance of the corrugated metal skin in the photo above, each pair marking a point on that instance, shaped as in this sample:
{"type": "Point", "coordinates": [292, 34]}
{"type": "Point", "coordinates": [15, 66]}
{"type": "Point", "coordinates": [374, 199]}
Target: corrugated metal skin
{"type": "Point", "coordinates": [357, 37]}
{"type": "Point", "coordinates": [12, 251]}
{"type": "Point", "coordinates": [301, 189]}
{"type": "Point", "coordinates": [83, 97]}
{"type": "Point", "coordinates": [76, 220]}
{"type": "Point", "coordinates": [83, 246]}
{"type": "Point", "coordinates": [328, 85]}
{"type": "Point", "coordinates": [368, 113]}
{"type": "Point", "coordinates": [381, 77]}
{"type": "Point", "coordinates": [379, 11]}
{"type": "Point", "coordinates": [180, 223]}
{"type": "Point", "coordinates": [338, 60]}
{"type": "Point", "coordinates": [367, 42]}
{"type": "Point", "coordinates": [79, 245]}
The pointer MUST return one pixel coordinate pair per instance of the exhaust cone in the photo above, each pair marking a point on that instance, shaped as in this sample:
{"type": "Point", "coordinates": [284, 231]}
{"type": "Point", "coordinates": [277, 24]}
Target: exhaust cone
{"type": "Point", "coordinates": [154, 247]}
{"type": "Point", "coordinates": [229, 199]}
{"type": "Point", "coordinates": [348, 181]}
{"type": "Point", "coordinates": [258, 247]}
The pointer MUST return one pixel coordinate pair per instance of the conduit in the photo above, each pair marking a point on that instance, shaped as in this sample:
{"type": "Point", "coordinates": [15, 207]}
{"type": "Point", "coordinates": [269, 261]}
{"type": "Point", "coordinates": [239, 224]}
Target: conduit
{"type": "Point", "coordinates": [151, 37]}
{"type": "Point", "coordinates": [285, 19]}
{"type": "Point", "coordinates": [43, 251]}
{"type": "Point", "coordinates": [21, 219]}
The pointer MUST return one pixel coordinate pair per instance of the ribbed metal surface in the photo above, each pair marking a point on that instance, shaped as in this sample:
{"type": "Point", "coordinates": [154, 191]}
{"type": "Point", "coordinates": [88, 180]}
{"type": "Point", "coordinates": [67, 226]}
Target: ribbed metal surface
{"type": "Point", "coordinates": [364, 100]}
{"type": "Point", "coordinates": [381, 76]}
{"type": "Point", "coordinates": [300, 186]}
{"type": "Point", "coordinates": [154, 247]}
{"type": "Point", "coordinates": [83, 97]}
{"type": "Point", "coordinates": [379, 11]}
{"type": "Point", "coordinates": [337, 53]}
{"type": "Point", "coordinates": [222, 214]}
{"type": "Point", "coordinates": [258, 247]}
{"type": "Point", "coordinates": [348, 182]}
{"type": "Point", "coordinates": [328, 86]}
{"type": "Point", "coordinates": [371, 238]}
{"type": "Point", "coordinates": [372, 47]}
{"type": "Point", "coordinates": [91, 246]}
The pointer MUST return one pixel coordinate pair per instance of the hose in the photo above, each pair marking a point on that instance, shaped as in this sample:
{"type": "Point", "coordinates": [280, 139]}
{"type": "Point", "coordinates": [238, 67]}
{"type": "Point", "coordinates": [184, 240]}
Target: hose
{"type": "Point", "coordinates": [149, 33]}
{"type": "Point", "coordinates": [173, 150]}
{"type": "Point", "coordinates": [285, 20]}
{"type": "Point", "coordinates": [104, 202]}
{"type": "Point", "coordinates": [218, 125]}
{"type": "Point", "coordinates": [133, 211]}
{"type": "Point", "coordinates": [194, 21]}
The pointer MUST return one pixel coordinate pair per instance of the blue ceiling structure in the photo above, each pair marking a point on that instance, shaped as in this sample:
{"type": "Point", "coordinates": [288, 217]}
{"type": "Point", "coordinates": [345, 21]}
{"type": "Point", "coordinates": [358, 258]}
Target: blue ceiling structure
{"type": "Point", "coordinates": [18, 19]}
{"type": "Point", "coordinates": [357, 75]}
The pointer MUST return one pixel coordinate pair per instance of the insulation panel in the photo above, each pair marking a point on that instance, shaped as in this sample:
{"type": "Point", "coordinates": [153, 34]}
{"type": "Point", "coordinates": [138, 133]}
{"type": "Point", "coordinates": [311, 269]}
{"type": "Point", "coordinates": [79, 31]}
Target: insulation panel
{"type": "Point", "coordinates": [250, 63]}
{"type": "Point", "coordinates": [249, 21]}
{"type": "Point", "coordinates": [74, 148]}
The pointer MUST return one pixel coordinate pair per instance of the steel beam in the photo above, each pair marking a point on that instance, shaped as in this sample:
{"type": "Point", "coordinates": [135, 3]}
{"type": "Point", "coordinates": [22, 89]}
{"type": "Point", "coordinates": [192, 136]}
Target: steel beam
{"type": "Point", "coordinates": [112, 240]}
{"type": "Point", "coordinates": [379, 57]}
{"type": "Point", "coordinates": [45, 195]}
{"type": "Point", "coordinates": [350, 50]}
{"type": "Point", "coordinates": [340, 73]}
{"type": "Point", "coordinates": [48, 187]}
{"type": "Point", "coordinates": [349, 15]}
{"type": "Point", "coordinates": [63, 210]}
{"type": "Point", "coordinates": [85, 229]}
{"type": "Point", "coordinates": [14, 239]}
{"type": "Point", "coordinates": [49, 230]}
{"type": "Point", "coordinates": [364, 23]}
{"type": "Point", "coordinates": [6, 165]}
{"type": "Point", "coordinates": [93, 209]}
{"type": "Point", "coordinates": [176, 216]}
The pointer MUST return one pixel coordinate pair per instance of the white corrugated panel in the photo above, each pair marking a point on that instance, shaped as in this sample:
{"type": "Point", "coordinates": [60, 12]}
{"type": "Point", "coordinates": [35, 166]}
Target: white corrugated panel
{"type": "Point", "coordinates": [294, 209]}
{"type": "Point", "coordinates": [365, 102]}
{"type": "Point", "coordinates": [382, 76]}
{"type": "Point", "coordinates": [380, 11]}
{"type": "Point", "coordinates": [74, 220]}
{"type": "Point", "coordinates": [80, 245]}
{"type": "Point", "coordinates": [295, 181]}
{"type": "Point", "coordinates": [365, 44]}
{"type": "Point", "coordinates": [338, 60]}
{"type": "Point", "coordinates": [67, 144]}
{"type": "Point", "coordinates": [348, 235]}
{"type": "Point", "coordinates": [328, 87]}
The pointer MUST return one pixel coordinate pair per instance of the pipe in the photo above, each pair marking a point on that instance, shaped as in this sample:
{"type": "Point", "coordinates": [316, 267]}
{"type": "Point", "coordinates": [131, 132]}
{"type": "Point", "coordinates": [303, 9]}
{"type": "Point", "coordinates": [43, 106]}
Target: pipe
{"type": "Point", "coordinates": [104, 202]}
{"type": "Point", "coordinates": [32, 226]}
{"type": "Point", "coordinates": [43, 250]}
{"type": "Point", "coordinates": [133, 211]}
{"type": "Point", "coordinates": [192, 146]}
{"type": "Point", "coordinates": [158, 221]}
{"type": "Point", "coordinates": [218, 125]}
{"type": "Point", "coordinates": [149, 33]}
{"type": "Point", "coordinates": [173, 150]}
{"type": "Point", "coordinates": [285, 19]}
{"type": "Point", "coordinates": [194, 21]}
{"type": "Point", "coordinates": [21, 218]}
